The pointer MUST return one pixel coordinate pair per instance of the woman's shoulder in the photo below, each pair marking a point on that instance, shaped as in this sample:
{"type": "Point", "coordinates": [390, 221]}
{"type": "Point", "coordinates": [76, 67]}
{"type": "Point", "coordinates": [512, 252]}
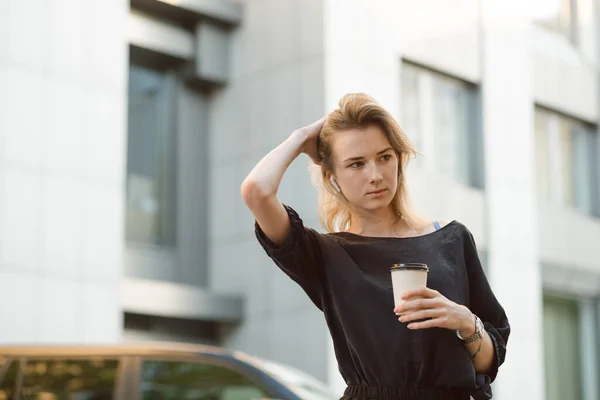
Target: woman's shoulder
{"type": "Point", "coordinates": [457, 227]}
{"type": "Point", "coordinates": [450, 232]}
{"type": "Point", "coordinates": [451, 229]}
{"type": "Point", "coordinates": [460, 231]}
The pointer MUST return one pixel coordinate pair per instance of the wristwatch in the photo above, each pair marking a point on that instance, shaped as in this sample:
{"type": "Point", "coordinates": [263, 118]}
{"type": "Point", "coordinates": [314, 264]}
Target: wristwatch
{"type": "Point", "coordinates": [476, 336]}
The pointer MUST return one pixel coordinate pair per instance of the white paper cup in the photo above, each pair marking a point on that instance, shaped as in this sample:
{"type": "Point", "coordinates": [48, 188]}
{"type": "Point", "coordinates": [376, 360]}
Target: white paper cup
{"type": "Point", "coordinates": [407, 277]}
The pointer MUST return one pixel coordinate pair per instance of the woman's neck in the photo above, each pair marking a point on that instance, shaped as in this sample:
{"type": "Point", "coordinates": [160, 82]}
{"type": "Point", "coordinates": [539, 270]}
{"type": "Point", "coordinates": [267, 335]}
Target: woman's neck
{"type": "Point", "coordinates": [384, 223]}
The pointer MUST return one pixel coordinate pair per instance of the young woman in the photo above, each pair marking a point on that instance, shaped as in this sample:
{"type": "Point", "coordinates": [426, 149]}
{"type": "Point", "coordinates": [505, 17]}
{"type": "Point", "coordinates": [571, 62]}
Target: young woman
{"type": "Point", "coordinates": [451, 337]}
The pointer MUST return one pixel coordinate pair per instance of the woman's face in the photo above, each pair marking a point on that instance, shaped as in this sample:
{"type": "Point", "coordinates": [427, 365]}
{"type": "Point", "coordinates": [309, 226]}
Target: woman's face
{"type": "Point", "coordinates": [365, 167]}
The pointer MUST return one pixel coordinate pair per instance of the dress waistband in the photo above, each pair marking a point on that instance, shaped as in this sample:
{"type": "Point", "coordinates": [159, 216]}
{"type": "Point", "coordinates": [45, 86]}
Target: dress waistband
{"type": "Point", "coordinates": [362, 392]}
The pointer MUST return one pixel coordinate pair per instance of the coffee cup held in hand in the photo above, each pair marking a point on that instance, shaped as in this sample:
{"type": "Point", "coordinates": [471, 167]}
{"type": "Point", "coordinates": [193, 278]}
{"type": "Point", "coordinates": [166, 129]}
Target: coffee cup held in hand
{"type": "Point", "coordinates": [407, 277]}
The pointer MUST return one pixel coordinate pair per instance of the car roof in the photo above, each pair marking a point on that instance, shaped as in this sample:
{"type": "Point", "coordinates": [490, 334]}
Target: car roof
{"type": "Point", "coordinates": [124, 349]}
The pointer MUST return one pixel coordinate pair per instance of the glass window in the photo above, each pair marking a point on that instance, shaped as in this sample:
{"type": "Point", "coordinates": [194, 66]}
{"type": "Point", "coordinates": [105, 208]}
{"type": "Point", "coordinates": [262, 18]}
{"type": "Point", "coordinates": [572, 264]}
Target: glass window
{"type": "Point", "coordinates": [451, 112]}
{"type": "Point", "coordinates": [60, 379]}
{"type": "Point", "coordinates": [542, 127]}
{"type": "Point", "coordinates": [557, 15]}
{"type": "Point", "coordinates": [8, 380]}
{"type": "Point", "coordinates": [561, 348]}
{"type": "Point", "coordinates": [570, 348]}
{"type": "Point", "coordinates": [588, 344]}
{"type": "Point", "coordinates": [170, 380]}
{"type": "Point", "coordinates": [411, 117]}
{"type": "Point", "coordinates": [150, 160]}
{"type": "Point", "coordinates": [566, 161]}
{"type": "Point", "coordinates": [304, 385]}
{"type": "Point", "coordinates": [584, 147]}
{"type": "Point", "coordinates": [439, 115]}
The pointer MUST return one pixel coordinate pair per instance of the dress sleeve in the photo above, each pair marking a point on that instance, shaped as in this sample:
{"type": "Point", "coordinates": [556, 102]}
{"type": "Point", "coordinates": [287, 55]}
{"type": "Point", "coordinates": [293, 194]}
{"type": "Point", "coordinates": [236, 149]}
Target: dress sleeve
{"type": "Point", "coordinates": [299, 257]}
{"type": "Point", "coordinates": [484, 304]}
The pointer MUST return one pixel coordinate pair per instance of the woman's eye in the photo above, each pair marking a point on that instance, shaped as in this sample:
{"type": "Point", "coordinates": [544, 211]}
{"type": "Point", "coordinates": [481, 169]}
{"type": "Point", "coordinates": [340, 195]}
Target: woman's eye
{"type": "Point", "coordinates": [386, 157]}
{"type": "Point", "coordinates": [357, 164]}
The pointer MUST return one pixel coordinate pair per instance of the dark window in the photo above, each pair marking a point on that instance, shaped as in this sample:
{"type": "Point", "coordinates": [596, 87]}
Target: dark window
{"type": "Point", "coordinates": [62, 379]}
{"type": "Point", "coordinates": [8, 379]}
{"type": "Point", "coordinates": [168, 380]}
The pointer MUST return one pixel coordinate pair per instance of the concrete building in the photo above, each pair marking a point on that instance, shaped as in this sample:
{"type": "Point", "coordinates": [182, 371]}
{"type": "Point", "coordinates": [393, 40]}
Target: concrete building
{"type": "Point", "coordinates": [126, 130]}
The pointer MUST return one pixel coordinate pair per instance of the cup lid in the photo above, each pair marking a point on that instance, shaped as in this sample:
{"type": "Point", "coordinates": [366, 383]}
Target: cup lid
{"type": "Point", "coordinates": [410, 266]}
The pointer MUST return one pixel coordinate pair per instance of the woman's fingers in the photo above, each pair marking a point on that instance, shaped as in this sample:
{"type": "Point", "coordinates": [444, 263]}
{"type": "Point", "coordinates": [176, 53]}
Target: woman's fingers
{"type": "Point", "coordinates": [318, 124]}
{"type": "Point", "coordinates": [422, 292]}
{"type": "Point", "coordinates": [418, 304]}
{"type": "Point", "coordinates": [313, 130]}
{"type": "Point", "coordinates": [439, 322]}
{"type": "Point", "coordinates": [422, 314]}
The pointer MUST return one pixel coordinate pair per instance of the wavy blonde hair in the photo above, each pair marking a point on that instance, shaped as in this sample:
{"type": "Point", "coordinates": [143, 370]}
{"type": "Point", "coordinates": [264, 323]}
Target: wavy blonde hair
{"type": "Point", "coordinates": [359, 111]}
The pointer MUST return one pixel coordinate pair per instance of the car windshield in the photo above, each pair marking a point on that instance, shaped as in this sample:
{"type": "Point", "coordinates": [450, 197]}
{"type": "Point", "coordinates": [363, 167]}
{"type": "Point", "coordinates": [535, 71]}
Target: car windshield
{"type": "Point", "coordinates": [302, 384]}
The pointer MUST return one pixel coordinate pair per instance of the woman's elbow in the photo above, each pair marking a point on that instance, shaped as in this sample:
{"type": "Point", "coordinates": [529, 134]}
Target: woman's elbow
{"type": "Point", "coordinates": [253, 192]}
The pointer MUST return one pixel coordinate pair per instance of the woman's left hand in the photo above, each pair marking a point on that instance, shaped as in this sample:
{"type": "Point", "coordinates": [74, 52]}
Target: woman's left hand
{"type": "Point", "coordinates": [436, 310]}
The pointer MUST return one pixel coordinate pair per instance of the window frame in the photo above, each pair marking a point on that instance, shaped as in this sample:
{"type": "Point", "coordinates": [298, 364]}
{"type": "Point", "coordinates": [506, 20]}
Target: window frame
{"type": "Point", "coordinates": [554, 191]}
{"type": "Point", "coordinates": [471, 172]}
{"type": "Point", "coordinates": [188, 139]}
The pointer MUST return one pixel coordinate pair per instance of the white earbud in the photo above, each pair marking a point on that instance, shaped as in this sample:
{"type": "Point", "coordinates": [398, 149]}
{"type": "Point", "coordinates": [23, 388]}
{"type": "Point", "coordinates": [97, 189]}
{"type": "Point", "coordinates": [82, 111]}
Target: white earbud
{"type": "Point", "coordinates": [334, 183]}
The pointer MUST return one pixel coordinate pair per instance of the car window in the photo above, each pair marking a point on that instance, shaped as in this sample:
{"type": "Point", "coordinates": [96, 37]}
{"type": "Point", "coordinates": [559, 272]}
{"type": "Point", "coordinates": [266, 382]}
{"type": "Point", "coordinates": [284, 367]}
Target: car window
{"type": "Point", "coordinates": [64, 379]}
{"type": "Point", "coordinates": [174, 380]}
{"type": "Point", "coordinates": [302, 384]}
{"type": "Point", "coordinates": [8, 379]}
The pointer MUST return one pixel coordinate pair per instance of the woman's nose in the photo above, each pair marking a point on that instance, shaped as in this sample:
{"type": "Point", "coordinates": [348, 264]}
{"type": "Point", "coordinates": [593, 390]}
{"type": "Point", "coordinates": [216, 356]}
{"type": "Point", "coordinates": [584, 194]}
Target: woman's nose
{"type": "Point", "coordinates": [374, 174]}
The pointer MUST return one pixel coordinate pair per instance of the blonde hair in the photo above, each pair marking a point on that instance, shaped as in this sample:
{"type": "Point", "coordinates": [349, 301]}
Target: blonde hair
{"type": "Point", "coordinates": [359, 111]}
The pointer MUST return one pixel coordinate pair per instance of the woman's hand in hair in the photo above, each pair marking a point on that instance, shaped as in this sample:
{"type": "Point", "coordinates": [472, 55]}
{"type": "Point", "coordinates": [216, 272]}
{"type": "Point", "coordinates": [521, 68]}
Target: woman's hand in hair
{"type": "Point", "coordinates": [310, 135]}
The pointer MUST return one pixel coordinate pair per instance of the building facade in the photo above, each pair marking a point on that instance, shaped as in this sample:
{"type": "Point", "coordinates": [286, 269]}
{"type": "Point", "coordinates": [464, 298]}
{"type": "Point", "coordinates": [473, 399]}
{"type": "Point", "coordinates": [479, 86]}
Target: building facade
{"type": "Point", "coordinates": [126, 129]}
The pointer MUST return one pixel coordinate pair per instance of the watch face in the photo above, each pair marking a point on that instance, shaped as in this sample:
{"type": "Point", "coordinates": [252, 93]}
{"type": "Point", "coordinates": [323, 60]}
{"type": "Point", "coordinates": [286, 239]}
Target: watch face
{"type": "Point", "coordinates": [479, 325]}
{"type": "Point", "coordinates": [479, 328]}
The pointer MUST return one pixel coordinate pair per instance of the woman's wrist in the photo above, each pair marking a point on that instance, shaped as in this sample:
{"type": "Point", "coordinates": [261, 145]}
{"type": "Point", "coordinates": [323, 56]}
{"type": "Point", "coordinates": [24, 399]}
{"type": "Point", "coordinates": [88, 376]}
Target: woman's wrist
{"type": "Point", "coordinates": [468, 327]}
{"type": "Point", "coordinates": [300, 138]}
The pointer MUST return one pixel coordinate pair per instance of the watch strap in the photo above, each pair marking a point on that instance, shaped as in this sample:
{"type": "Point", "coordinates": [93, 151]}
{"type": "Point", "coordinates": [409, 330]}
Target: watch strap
{"type": "Point", "coordinates": [474, 337]}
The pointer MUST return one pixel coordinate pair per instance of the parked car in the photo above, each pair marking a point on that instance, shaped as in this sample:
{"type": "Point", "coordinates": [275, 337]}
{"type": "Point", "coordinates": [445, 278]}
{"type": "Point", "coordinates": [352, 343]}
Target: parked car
{"type": "Point", "coordinates": [149, 371]}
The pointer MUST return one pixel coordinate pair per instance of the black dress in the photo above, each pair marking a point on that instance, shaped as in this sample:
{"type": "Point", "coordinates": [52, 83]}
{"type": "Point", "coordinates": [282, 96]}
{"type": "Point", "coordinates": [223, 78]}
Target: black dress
{"type": "Point", "coordinates": [347, 276]}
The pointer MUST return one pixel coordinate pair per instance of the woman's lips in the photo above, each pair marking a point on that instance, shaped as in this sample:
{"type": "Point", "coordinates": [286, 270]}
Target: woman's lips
{"type": "Point", "coordinates": [377, 193]}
